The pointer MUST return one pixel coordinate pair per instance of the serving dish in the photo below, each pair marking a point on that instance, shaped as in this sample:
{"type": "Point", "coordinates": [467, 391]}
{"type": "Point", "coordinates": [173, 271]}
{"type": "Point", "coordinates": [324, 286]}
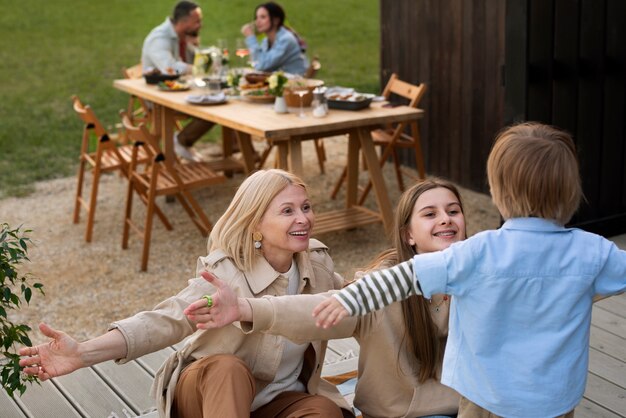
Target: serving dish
{"type": "Point", "coordinates": [206, 99]}
{"type": "Point", "coordinates": [342, 104]}
{"type": "Point", "coordinates": [156, 78]}
{"type": "Point", "coordinates": [258, 96]}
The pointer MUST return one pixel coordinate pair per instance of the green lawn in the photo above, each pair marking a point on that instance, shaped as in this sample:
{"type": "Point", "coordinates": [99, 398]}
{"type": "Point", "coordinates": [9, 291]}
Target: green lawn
{"type": "Point", "coordinates": [52, 49]}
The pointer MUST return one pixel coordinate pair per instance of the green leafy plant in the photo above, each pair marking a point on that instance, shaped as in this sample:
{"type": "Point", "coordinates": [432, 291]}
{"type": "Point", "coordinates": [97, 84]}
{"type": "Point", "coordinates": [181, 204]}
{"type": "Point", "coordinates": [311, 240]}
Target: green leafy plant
{"type": "Point", "coordinates": [14, 290]}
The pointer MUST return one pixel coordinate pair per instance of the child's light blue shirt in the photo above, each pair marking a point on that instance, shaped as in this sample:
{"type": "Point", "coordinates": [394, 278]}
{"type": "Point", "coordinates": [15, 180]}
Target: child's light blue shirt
{"type": "Point", "coordinates": [520, 313]}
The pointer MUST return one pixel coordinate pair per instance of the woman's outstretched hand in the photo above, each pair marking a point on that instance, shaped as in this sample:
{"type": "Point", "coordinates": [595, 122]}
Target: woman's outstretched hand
{"type": "Point", "coordinates": [329, 312]}
{"type": "Point", "coordinates": [58, 357]}
{"type": "Point", "coordinates": [225, 308]}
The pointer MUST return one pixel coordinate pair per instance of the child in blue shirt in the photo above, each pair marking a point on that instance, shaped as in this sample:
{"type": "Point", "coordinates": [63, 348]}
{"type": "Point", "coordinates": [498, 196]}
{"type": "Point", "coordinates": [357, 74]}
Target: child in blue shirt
{"type": "Point", "coordinates": [518, 343]}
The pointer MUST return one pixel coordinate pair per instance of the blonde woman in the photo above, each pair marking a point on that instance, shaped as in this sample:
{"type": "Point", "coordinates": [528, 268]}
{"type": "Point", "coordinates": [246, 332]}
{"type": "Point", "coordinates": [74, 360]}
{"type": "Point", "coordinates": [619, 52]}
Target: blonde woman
{"type": "Point", "coordinates": [261, 246]}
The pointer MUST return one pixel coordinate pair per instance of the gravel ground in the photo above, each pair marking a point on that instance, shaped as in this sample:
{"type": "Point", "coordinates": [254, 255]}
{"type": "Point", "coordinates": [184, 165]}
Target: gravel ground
{"type": "Point", "coordinates": [89, 285]}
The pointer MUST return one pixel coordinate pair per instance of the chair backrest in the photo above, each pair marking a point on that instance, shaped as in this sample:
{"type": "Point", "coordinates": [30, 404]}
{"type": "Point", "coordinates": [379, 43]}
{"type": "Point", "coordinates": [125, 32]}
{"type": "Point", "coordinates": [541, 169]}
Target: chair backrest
{"type": "Point", "coordinates": [139, 134]}
{"type": "Point", "coordinates": [136, 71]}
{"type": "Point", "coordinates": [86, 113]}
{"type": "Point", "coordinates": [409, 91]}
{"type": "Point", "coordinates": [314, 67]}
{"type": "Point", "coordinates": [105, 142]}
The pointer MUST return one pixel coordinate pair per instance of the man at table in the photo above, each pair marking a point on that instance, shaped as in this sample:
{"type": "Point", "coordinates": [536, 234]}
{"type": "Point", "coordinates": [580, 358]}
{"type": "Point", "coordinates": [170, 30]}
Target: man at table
{"type": "Point", "coordinates": [168, 48]}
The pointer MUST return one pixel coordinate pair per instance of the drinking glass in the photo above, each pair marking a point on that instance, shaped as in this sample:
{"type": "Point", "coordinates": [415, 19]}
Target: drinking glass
{"type": "Point", "coordinates": [242, 51]}
{"type": "Point", "coordinates": [300, 88]}
{"type": "Point", "coordinates": [214, 84]}
{"type": "Point", "coordinates": [222, 44]}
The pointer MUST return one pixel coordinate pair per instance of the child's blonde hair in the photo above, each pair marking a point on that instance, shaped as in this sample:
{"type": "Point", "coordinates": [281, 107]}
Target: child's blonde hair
{"type": "Point", "coordinates": [232, 232]}
{"type": "Point", "coordinates": [533, 172]}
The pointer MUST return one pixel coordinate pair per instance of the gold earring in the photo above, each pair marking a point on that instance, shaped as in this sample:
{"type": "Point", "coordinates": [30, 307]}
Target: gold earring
{"type": "Point", "coordinates": [257, 237]}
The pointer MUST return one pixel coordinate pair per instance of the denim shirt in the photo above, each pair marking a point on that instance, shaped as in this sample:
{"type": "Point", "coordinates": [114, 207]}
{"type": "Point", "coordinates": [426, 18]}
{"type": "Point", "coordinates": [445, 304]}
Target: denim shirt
{"type": "Point", "coordinates": [161, 50]}
{"type": "Point", "coordinates": [285, 53]}
{"type": "Point", "coordinates": [520, 315]}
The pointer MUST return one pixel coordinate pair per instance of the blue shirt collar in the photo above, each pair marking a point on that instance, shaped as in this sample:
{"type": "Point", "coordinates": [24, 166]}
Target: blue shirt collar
{"type": "Point", "coordinates": [533, 224]}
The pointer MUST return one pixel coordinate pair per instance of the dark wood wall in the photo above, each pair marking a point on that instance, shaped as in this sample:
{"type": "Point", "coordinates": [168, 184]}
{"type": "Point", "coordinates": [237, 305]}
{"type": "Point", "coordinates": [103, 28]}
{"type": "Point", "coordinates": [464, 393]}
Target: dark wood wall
{"type": "Point", "coordinates": [489, 63]}
{"type": "Point", "coordinates": [566, 65]}
{"type": "Point", "coordinates": [457, 48]}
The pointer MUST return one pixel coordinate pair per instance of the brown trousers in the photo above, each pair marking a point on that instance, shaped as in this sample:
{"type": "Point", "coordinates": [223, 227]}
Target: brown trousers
{"type": "Point", "coordinates": [193, 131]}
{"type": "Point", "coordinates": [223, 386]}
{"type": "Point", "coordinates": [468, 409]}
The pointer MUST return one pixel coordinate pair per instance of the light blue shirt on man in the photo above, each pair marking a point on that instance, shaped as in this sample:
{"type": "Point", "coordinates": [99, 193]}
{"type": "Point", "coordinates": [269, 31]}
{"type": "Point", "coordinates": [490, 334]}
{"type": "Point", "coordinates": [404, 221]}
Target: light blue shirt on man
{"type": "Point", "coordinates": [518, 340]}
{"type": "Point", "coordinates": [285, 53]}
{"type": "Point", "coordinates": [161, 50]}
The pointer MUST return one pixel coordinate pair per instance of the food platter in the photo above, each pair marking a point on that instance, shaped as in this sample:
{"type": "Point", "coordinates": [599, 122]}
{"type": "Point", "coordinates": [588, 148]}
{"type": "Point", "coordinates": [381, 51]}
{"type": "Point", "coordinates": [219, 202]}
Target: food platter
{"type": "Point", "coordinates": [173, 85]}
{"type": "Point", "coordinates": [258, 96]}
{"type": "Point", "coordinates": [352, 101]}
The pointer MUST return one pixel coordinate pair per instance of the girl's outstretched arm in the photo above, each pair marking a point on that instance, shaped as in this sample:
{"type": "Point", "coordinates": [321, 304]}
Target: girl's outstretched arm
{"type": "Point", "coordinates": [329, 312]}
{"type": "Point", "coordinates": [372, 292]}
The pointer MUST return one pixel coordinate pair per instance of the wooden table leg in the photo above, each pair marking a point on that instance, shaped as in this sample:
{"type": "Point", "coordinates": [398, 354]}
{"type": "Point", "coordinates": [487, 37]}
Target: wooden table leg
{"type": "Point", "coordinates": [376, 176]}
{"type": "Point", "coordinates": [247, 150]}
{"type": "Point", "coordinates": [167, 131]}
{"type": "Point", "coordinates": [227, 141]}
{"type": "Point", "coordinates": [295, 157]}
{"type": "Point", "coordinates": [283, 153]}
{"type": "Point", "coordinates": [352, 173]}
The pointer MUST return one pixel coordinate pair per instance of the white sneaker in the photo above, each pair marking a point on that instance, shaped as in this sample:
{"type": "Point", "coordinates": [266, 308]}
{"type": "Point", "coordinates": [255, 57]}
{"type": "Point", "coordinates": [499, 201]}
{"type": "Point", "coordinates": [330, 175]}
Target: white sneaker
{"type": "Point", "coordinates": [183, 151]}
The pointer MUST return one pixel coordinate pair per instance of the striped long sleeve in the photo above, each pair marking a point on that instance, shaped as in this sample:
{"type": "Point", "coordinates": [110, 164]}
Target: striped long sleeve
{"type": "Point", "coordinates": [379, 289]}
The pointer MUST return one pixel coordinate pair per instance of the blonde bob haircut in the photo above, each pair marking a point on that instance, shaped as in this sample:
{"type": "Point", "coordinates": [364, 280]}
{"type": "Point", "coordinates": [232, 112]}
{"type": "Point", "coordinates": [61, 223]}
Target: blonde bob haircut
{"type": "Point", "coordinates": [232, 232]}
{"type": "Point", "coordinates": [533, 172]}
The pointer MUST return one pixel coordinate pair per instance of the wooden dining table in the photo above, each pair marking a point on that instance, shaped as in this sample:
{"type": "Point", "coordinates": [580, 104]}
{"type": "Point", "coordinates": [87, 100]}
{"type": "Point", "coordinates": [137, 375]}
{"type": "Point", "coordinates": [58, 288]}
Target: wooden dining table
{"type": "Point", "coordinates": [287, 131]}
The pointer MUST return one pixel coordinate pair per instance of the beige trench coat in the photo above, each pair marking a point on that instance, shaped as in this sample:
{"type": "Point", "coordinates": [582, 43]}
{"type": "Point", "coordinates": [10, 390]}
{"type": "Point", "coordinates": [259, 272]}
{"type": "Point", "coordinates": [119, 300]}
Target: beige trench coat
{"type": "Point", "coordinates": [166, 325]}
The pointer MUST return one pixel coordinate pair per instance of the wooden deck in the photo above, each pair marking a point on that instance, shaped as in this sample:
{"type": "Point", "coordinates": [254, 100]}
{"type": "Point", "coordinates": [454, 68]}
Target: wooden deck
{"type": "Point", "coordinates": [109, 390]}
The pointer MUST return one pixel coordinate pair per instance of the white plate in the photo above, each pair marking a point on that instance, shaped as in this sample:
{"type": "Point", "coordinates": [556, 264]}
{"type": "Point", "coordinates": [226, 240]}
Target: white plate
{"type": "Point", "coordinates": [206, 99]}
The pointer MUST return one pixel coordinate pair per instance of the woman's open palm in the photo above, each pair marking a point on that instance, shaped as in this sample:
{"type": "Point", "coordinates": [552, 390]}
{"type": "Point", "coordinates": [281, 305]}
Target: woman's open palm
{"type": "Point", "coordinates": [58, 357]}
{"type": "Point", "coordinates": [224, 309]}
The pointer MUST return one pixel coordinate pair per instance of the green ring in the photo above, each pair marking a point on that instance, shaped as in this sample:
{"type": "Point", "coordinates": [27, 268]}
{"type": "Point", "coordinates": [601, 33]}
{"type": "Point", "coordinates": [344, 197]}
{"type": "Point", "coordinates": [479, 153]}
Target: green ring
{"type": "Point", "coordinates": [209, 300]}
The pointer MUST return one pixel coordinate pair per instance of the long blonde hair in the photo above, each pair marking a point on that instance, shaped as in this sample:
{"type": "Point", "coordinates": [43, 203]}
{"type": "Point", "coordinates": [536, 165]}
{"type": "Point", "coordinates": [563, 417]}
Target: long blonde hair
{"type": "Point", "coordinates": [232, 232]}
{"type": "Point", "coordinates": [421, 336]}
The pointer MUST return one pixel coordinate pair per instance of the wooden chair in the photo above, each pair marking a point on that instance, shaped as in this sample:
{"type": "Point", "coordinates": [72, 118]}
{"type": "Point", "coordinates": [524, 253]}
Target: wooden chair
{"type": "Point", "coordinates": [108, 156]}
{"type": "Point", "coordinates": [393, 137]}
{"type": "Point", "coordinates": [313, 68]}
{"type": "Point", "coordinates": [162, 177]}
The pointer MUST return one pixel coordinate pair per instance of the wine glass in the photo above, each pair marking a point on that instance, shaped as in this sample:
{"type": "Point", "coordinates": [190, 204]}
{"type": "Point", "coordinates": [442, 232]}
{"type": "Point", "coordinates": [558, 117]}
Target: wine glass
{"type": "Point", "coordinates": [222, 44]}
{"type": "Point", "coordinates": [242, 50]}
{"type": "Point", "coordinates": [300, 88]}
